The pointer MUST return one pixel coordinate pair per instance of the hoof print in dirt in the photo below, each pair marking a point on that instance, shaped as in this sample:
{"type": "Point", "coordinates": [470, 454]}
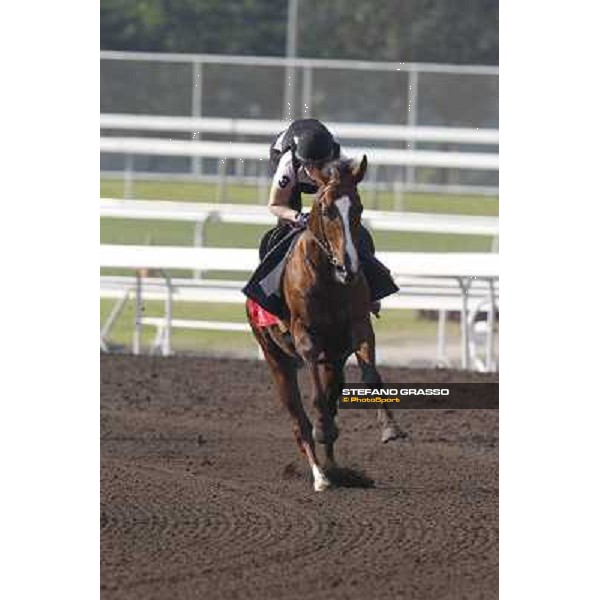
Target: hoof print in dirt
{"type": "Point", "coordinates": [291, 471]}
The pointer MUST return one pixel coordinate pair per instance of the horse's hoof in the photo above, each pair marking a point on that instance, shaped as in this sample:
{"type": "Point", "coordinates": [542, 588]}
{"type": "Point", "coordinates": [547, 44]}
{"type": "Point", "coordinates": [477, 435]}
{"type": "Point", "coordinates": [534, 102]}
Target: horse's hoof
{"type": "Point", "coordinates": [321, 484]}
{"type": "Point", "coordinates": [320, 481]}
{"type": "Point", "coordinates": [390, 432]}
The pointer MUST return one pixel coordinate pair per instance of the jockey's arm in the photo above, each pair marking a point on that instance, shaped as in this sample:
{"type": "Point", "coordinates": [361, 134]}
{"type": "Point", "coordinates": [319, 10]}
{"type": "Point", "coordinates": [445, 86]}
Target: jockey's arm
{"type": "Point", "coordinates": [279, 203]}
{"type": "Point", "coordinates": [281, 190]}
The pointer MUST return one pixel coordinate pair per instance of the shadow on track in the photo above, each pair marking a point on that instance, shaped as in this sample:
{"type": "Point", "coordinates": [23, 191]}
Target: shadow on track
{"type": "Point", "coordinates": [340, 477]}
{"type": "Point", "coordinates": [344, 477]}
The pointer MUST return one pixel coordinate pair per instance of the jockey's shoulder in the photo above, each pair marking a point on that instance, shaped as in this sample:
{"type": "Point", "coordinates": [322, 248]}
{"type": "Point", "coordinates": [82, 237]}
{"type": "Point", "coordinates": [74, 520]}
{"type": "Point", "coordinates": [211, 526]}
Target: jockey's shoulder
{"type": "Point", "coordinates": [287, 156]}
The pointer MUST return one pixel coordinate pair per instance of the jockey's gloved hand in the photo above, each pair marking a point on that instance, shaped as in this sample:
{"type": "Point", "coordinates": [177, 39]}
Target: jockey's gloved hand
{"type": "Point", "coordinates": [301, 220]}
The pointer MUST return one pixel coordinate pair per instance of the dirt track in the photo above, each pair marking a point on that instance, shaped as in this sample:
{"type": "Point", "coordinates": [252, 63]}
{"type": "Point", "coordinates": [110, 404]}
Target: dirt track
{"type": "Point", "coordinates": [206, 496]}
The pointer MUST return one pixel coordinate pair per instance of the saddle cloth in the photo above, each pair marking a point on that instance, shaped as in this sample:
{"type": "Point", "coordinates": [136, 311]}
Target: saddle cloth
{"type": "Point", "coordinates": [264, 287]}
{"type": "Point", "coordinates": [259, 316]}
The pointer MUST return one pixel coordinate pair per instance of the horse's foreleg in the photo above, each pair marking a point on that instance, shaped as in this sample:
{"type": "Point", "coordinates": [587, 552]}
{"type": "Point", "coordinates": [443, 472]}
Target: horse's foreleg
{"type": "Point", "coordinates": [324, 431]}
{"type": "Point", "coordinates": [289, 394]}
{"type": "Point", "coordinates": [284, 371]}
{"type": "Point", "coordinates": [333, 380]}
{"type": "Point", "coordinates": [365, 355]}
{"type": "Point", "coordinates": [324, 396]}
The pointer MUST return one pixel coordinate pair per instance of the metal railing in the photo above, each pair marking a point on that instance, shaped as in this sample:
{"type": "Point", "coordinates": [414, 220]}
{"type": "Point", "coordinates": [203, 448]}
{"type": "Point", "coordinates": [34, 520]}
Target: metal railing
{"type": "Point", "coordinates": [475, 275]}
{"type": "Point", "coordinates": [408, 95]}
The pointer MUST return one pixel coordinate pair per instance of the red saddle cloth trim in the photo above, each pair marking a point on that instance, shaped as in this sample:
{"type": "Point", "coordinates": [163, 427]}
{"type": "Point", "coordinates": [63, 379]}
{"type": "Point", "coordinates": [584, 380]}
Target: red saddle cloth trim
{"type": "Point", "coordinates": [259, 316]}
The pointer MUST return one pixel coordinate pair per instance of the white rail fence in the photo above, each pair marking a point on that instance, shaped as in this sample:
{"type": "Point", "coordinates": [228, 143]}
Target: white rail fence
{"type": "Point", "coordinates": [411, 102]}
{"type": "Point", "coordinates": [201, 213]}
{"type": "Point", "coordinates": [206, 86]}
{"type": "Point", "coordinates": [244, 150]}
{"type": "Point", "coordinates": [438, 281]}
{"type": "Point", "coordinates": [240, 151]}
{"type": "Point", "coordinates": [258, 152]}
{"type": "Point", "coordinates": [268, 129]}
{"type": "Point", "coordinates": [418, 290]}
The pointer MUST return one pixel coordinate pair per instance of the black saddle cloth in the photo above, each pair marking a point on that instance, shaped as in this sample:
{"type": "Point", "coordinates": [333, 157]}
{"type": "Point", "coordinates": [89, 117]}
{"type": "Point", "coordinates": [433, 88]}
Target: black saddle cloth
{"type": "Point", "coordinates": [264, 287]}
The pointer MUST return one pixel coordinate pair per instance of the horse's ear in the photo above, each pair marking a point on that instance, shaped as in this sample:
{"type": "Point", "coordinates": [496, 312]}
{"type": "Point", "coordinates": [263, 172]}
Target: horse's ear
{"type": "Point", "coordinates": [359, 171]}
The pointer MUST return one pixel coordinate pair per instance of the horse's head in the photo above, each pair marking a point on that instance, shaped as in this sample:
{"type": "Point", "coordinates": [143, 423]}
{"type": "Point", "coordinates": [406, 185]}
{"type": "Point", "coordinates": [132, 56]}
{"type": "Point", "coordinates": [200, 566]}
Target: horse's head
{"type": "Point", "coordinates": [335, 216]}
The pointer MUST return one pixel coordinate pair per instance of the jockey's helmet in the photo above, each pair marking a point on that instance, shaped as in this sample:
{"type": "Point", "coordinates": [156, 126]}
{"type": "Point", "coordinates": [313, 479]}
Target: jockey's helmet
{"type": "Point", "coordinates": [315, 146]}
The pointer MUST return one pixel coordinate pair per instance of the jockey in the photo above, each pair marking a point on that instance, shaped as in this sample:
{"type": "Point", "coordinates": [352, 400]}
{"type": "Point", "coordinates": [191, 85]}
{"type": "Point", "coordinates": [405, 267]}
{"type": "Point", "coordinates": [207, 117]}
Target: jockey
{"type": "Point", "coordinates": [296, 154]}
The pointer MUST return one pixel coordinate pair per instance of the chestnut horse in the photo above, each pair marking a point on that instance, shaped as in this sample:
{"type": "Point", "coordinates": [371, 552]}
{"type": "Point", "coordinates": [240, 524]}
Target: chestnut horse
{"type": "Point", "coordinates": [328, 299]}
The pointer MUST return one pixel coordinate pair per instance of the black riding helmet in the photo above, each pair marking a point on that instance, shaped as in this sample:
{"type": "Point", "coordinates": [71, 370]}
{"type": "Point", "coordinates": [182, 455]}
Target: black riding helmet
{"type": "Point", "coordinates": [313, 142]}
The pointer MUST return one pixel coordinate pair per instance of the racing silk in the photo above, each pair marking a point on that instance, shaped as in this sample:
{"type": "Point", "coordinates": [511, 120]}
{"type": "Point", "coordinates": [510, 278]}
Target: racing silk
{"type": "Point", "coordinates": [291, 175]}
{"type": "Point", "coordinates": [288, 176]}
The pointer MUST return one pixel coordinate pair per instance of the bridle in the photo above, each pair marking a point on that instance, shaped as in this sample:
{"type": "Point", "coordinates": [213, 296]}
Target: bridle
{"type": "Point", "coordinates": [324, 243]}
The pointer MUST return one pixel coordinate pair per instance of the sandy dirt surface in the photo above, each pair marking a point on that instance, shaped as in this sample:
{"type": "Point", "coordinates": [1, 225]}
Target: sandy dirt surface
{"type": "Point", "coordinates": [205, 495]}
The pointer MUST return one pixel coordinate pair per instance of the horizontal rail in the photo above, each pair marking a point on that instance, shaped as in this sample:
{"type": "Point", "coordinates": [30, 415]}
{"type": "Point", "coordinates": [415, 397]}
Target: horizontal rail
{"type": "Point", "coordinates": [259, 215]}
{"type": "Point", "coordinates": [458, 135]}
{"type": "Point", "coordinates": [242, 150]}
{"type": "Point", "coordinates": [118, 284]}
{"type": "Point", "coordinates": [442, 298]}
{"type": "Point", "coordinates": [194, 324]}
{"type": "Point", "coordinates": [318, 63]}
{"type": "Point", "coordinates": [424, 264]}
{"type": "Point", "coordinates": [425, 188]}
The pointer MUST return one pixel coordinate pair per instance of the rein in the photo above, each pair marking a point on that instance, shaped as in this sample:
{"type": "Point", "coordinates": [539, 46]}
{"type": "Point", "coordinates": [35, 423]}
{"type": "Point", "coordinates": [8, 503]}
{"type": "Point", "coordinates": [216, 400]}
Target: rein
{"type": "Point", "coordinates": [324, 244]}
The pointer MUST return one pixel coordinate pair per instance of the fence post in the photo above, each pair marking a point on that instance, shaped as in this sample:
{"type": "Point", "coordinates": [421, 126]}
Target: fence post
{"type": "Point", "coordinates": [398, 191]}
{"type": "Point", "coordinates": [490, 361]}
{"type": "Point", "coordinates": [442, 359]}
{"type": "Point", "coordinates": [289, 86]}
{"type": "Point", "coordinates": [166, 341]}
{"type": "Point", "coordinates": [263, 183]}
{"type": "Point", "coordinates": [222, 184]}
{"type": "Point", "coordinates": [199, 240]}
{"type": "Point", "coordinates": [374, 198]}
{"type": "Point", "coordinates": [465, 284]}
{"type": "Point", "coordinates": [128, 177]}
{"type": "Point", "coordinates": [306, 91]}
{"type": "Point", "coordinates": [411, 118]}
{"type": "Point", "coordinates": [197, 111]}
{"type": "Point", "coordinates": [137, 331]}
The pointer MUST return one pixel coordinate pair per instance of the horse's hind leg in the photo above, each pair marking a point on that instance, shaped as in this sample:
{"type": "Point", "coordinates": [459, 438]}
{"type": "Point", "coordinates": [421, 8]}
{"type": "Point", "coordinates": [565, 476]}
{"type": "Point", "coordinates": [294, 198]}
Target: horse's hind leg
{"type": "Point", "coordinates": [284, 370]}
{"type": "Point", "coordinates": [365, 356]}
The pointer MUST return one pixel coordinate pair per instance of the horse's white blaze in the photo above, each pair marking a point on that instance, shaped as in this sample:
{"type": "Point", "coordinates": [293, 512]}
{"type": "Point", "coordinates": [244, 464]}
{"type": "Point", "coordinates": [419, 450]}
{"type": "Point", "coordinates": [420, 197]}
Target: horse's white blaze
{"type": "Point", "coordinates": [343, 204]}
{"type": "Point", "coordinates": [321, 482]}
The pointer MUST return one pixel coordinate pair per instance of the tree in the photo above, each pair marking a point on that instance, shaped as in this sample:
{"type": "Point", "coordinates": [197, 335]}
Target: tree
{"type": "Point", "coordinates": [443, 31]}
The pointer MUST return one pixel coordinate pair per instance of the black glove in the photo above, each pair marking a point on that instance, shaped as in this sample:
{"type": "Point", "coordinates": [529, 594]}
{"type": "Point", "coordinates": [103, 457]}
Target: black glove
{"type": "Point", "coordinates": [301, 220]}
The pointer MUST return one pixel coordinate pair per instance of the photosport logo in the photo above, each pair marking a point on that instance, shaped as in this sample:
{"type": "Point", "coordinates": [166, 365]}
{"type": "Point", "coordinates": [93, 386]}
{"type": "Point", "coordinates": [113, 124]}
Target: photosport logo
{"type": "Point", "coordinates": [421, 395]}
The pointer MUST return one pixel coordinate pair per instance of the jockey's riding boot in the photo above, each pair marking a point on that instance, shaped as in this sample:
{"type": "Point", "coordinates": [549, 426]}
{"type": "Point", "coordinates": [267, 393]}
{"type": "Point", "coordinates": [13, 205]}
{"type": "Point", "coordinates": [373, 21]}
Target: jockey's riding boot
{"type": "Point", "coordinates": [376, 308]}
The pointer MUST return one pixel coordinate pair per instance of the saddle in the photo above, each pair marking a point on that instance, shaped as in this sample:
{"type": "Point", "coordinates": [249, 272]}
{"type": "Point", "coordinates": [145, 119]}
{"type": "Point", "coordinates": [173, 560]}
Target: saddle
{"type": "Point", "coordinates": [264, 287]}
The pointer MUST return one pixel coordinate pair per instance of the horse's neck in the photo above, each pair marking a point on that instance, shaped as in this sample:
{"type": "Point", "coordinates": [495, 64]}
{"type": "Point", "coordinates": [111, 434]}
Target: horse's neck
{"type": "Point", "coordinates": [312, 254]}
